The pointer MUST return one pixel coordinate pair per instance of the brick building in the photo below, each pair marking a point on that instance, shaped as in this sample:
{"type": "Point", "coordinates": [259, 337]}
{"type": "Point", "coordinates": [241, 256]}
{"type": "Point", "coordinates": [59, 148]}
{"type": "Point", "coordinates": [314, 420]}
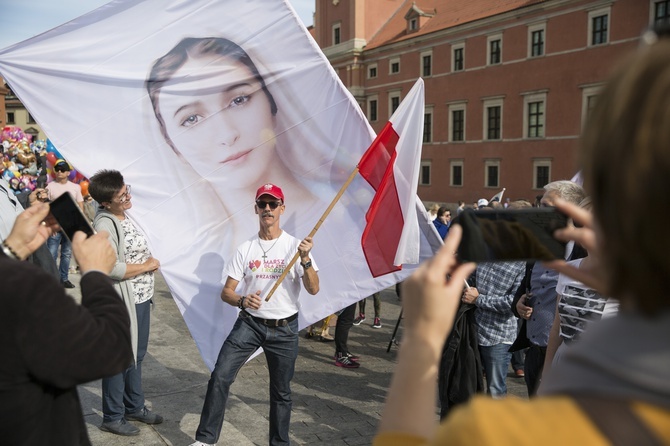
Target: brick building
{"type": "Point", "coordinates": [508, 82]}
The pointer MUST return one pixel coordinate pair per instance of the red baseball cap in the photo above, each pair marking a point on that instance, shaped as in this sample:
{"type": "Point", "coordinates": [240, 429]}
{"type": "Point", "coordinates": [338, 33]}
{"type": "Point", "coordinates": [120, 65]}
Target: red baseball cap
{"type": "Point", "coordinates": [270, 189]}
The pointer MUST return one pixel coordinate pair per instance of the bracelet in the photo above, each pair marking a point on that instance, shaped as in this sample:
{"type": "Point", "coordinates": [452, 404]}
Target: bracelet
{"type": "Point", "coordinates": [240, 302]}
{"type": "Point", "coordinates": [9, 252]}
{"type": "Point", "coordinates": [306, 265]}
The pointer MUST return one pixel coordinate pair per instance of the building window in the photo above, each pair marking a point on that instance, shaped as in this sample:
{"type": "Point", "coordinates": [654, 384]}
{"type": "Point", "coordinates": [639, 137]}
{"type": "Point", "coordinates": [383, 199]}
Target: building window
{"type": "Point", "coordinates": [457, 122]}
{"type": "Point", "coordinates": [372, 71]}
{"type": "Point", "coordinates": [372, 109]}
{"type": "Point", "coordinates": [494, 49]}
{"type": "Point", "coordinates": [491, 173]}
{"type": "Point", "coordinates": [413, 24]}
{"type": "Point", "coordinates": [599, 27]}
{"type": "Point", "coordinates": [11, 119]}
{"type": "Point", "coordinates": [394, 65]}
{"type": "Point", "coordinates": [493, 122]}
{"type": "Point", "coordinates": [661, 11]}
{"type": "Point", "coordinates": [458, 57]}
{"type": "Point", "coordinates": [456, 177]}
{"type": "Point", "coordinates": [541, 173]}
{"type": "Point", "coordinates": [428, 126]}
{"type": "Point", "coordinates": [534, 119]}
{"type": "Point", "coordinates": [30, 120]}
{"type": "Point", "coordinates": [536, 37]}
{"type": "Point", "coordinates": [337, 38]}
{"type": "Point", "coordinates": [426, 64]}
{"type": "Point", "coordinates": [424, 177]}
{"type": "Point", "coordinates": [394, 102]}
{"type": "Point", "coordinates": [589, 98]}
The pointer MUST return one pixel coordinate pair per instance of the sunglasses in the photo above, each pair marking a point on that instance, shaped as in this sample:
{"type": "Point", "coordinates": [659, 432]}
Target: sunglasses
{"type": "Point", "coordinates": [273, 204]}
{"type": "Point", "coordinates": [61, 169]}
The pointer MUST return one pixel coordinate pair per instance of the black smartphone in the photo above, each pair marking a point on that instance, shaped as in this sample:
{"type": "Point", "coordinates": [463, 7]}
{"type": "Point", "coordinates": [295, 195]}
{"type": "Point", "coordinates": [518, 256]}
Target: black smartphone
{"type": "Point", "coordinates": [496, 235]}
{"type": "Point", "coordinates": [69, 216]}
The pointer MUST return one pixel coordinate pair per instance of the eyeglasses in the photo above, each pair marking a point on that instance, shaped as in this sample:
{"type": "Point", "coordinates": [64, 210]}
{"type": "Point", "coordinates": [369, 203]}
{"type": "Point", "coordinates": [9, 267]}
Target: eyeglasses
{"type": "Point", "coordinates": [273, 204]}
{"type": "Point", "coordinates": [124, 196]}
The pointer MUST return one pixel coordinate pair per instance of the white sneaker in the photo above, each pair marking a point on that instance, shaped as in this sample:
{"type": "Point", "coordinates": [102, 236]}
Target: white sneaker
{"type": "Point", "coordinates": [200, 443]}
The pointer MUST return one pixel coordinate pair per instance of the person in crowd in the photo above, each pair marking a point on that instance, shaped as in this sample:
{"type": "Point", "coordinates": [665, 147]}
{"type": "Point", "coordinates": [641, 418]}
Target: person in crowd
{"type": "Point", "coordinates": [50, 344]}
{"type": "Point", "coordinates": [273, 325]}
{"type": "Point", "coordinates": [495, 287]}
{"type": "Point", "coordinates": [133, 274]}
{"type": "Point", "coordinates": [461, 207]}
{"type": "Point", "coordinates": [432, 211]}
{"type": "Point", "coordinates": [442, 221]}
{"type": "Point", "coordinates": [60, 185]}
{"type": "Point", "coordinates": [611, 387]}
{"type": "Point", "coordinates": [377, 303]}
{"type": "Point", "coordinates": [343, 357]}
{"type": "Point", "coordinates": [538, 305]}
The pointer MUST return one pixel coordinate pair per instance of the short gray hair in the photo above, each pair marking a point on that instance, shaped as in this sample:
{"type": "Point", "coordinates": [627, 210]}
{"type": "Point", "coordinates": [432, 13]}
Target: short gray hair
{"type": "Point", "coordinates": [567, 190]}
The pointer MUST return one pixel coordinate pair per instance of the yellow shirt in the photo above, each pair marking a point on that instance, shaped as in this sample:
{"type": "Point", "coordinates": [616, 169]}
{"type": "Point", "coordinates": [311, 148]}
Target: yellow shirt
{"type": "Point", "coordinates": [540, 421]}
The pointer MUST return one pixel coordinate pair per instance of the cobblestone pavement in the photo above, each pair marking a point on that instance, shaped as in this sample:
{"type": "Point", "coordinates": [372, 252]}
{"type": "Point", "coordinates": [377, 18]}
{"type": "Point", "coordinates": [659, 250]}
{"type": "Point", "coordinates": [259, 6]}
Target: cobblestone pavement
{"type": "Point", "coordinates": [330, 404]}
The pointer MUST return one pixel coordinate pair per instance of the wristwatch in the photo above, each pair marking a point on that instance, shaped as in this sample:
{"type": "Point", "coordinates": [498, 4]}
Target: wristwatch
{"type": "Point", "coordinates": [306, 265]}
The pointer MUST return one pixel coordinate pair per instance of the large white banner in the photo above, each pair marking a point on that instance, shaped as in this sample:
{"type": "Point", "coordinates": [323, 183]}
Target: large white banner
{"type": "Point", "coordinates": [198, 103]}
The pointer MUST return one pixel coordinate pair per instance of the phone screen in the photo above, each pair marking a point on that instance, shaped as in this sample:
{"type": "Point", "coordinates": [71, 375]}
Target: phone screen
{"type": "Point", "coordinates": [504, 235]}
{"type": "Point", "coordinates": [69, 216]}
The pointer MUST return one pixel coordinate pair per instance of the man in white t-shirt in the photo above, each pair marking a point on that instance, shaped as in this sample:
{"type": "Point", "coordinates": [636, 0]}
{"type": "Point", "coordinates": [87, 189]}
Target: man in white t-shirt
{"type": "Point", "coordinates": [56, 188]}
{"type": "Point", "coordinates": [272, 325]}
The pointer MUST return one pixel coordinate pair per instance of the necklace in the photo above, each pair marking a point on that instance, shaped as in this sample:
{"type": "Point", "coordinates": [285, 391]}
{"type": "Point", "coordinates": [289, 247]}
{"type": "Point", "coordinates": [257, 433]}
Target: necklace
{"type": "Point", "coordinates": [265, 252]}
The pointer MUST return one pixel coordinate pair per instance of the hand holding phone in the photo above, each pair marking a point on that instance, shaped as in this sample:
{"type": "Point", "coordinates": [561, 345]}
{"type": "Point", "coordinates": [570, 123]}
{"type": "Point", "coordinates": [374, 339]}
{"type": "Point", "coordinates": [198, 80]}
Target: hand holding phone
{"type": "Point", "coordinates": [70, 217]}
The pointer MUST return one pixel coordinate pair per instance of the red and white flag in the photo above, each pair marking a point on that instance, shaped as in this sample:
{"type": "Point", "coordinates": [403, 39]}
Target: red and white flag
{"type": "Point", "coordinates": [391, 166]}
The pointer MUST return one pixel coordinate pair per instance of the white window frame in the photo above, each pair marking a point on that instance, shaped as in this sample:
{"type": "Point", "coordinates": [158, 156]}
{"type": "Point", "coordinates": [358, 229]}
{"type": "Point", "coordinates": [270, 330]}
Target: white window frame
{"type": "Point", "coordinates": [421, 56]}
{"type": "Point", "coordinates": [490, 163]}
{"type": "Point", "coordinates": [454, 47]}
{"type": "Point", "coordinates": [392, 61]}
{"type": "Point", "coordinates": [413, 24]}
{"type": "Point", "coordinates": [490, 39]}
{"type": "Point", "coordinates": [369, 108]}
{"type": "Point", "coordinates": [546, 162]}
{"type": "Point", "coordinates": [531, 29]}
{"type": "Point", "coordinates": [597, 13]}
{"type": "Point", "coordinates": [589, 92]}
{"type": "Point", "coordinates": [452, 164]}
{"type": "Point", "coordinates": [426, 163]}
{"type": "Point", "coordinates": [492, 102]}
{"type": "Point", "coordinates": [336, 26]}
{"type": "Point", "coordinates": [652, 7]}
{"type": "Point", "coordinates": [527, 99]}
{"type": "Point", "coordinates": [460, 106]}
{"type": "Point", "coordinates": [428, 110]}
{"type": "Point", "coordinates": [370, 68]}
{"type": "Point", "coordinates": [394, 94]}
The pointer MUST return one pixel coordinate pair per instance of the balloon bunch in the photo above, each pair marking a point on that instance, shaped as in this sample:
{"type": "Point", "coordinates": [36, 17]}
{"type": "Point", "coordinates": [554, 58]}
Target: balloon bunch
{"type": "Point", "coordinates": [23, 161]}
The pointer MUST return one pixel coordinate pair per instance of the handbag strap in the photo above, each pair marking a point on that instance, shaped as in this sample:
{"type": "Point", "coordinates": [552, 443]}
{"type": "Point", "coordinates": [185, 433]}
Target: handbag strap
{"type": "Point", "coordinates": [617, 421]}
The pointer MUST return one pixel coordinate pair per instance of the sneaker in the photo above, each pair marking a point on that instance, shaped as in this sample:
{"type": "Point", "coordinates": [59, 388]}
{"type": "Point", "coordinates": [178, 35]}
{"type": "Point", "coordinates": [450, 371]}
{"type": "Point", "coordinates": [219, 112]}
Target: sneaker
{"type": "Point", "coordinates": [359, 319]}
{"type": "Point", "coordinates": [120, 427]}
{"type": "Point", "coordinates": [348, 355]}
{"type": "Point", "coordinates": [519, 373]}
{"type": "Point", "coordinates": [346, 362]}
{"type": "Point", "coordinates": [377, 323]}
{"type": "Point", "coordinates": [200, 443]}
{"type": "Point", "coordinates": [145, 416]}
{"type": "Point", "coordinates": [67, 284]}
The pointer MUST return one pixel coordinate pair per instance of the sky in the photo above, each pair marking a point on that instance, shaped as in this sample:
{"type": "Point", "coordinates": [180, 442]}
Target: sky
{"type": "Point", "coordinates": [22, 19]}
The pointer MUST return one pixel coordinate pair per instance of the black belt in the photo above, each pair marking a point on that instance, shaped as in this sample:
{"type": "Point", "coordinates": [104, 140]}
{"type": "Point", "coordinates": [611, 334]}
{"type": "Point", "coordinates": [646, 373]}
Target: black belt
{"type": "Point", "coordinates": [272, 322]}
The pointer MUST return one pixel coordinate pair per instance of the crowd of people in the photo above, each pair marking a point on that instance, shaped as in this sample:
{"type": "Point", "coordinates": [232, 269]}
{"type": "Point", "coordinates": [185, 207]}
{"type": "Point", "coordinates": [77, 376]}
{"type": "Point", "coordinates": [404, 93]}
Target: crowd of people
{"type": "Point", "coordinates": [595, 324]}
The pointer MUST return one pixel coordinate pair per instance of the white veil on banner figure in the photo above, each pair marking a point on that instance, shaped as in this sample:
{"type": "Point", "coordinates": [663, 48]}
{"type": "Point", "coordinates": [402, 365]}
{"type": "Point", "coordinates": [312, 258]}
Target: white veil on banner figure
{"type": "Point", "coordinates": [199, 103]}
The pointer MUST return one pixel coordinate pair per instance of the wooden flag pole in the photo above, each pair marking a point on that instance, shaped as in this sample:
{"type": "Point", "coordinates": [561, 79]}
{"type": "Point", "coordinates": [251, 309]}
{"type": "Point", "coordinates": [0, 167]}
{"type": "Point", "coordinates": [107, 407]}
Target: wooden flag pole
{"type": "Point", "coordinates": [316, 228]}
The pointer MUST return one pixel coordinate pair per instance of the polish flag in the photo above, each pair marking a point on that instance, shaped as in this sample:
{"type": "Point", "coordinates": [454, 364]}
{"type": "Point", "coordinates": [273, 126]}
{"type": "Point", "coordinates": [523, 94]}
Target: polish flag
{"type": "Point", "coordinates": [391, 166]}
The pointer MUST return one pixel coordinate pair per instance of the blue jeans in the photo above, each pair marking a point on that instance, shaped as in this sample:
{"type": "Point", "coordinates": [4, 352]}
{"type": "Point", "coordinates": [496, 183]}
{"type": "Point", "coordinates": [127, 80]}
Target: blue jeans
{"type": "Point", "coordinates": [53, 242]}
{"type": "Point", "coordinates": [122, 393]}
{"type": "Point", "coordinates": [280, 345]}
{"type": "Point", "coordinates": [495, 359]}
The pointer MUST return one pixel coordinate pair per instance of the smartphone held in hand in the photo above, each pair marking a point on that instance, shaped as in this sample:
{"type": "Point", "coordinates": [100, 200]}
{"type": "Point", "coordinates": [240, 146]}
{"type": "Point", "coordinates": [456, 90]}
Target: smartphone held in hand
{"type": "Point", "coordinates": [509, 235]}
{"type": "Point", "coordinates": [69, 216]}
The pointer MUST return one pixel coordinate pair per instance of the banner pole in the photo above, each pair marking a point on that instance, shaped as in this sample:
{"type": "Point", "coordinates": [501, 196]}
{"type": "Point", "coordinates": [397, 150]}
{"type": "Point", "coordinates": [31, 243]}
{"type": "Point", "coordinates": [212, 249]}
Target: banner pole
{"type": "Point", "coordinates": [316, 228]}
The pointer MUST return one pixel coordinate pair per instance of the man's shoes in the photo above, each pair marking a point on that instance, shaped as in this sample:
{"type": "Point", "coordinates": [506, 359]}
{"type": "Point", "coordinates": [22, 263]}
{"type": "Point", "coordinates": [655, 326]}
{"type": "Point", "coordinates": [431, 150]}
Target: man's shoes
{"type": "Point", "coordinates": [519, 373]}
{"type": "Point", "coordinates": [67, 284]}
{"type": "Point", "coordinates": [377, 323]}
{"type": "Point", "coordinates": [145, 416]}
{"type": "Point", "coordinates": [120, 427]}
{"type": "Point", "coordinates": [346, 362]}
{"type": "Point", "coordinates": [200, 443]}
{"type": "Point", "coordinates": [348, 355]}
{"type": "Point", "coordinates": [359, 319]}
